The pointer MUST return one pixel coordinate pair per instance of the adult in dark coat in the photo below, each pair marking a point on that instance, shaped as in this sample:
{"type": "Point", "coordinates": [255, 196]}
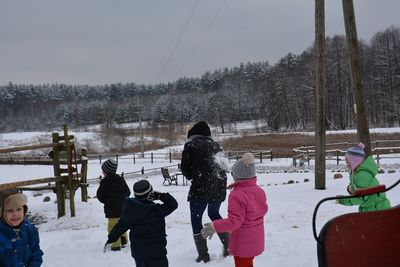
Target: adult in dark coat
{"type": "Point", "coordinates": [112, 192]}
{"type": "Point", "coordinates": [208, 183]}
{"type": "Point", "coordinates": [146, 221]}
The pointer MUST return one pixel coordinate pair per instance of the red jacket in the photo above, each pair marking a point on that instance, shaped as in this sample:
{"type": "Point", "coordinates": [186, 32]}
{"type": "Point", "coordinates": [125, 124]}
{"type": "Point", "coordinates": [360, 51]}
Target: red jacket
{"type": "Point", "coordinates": [247, 206]}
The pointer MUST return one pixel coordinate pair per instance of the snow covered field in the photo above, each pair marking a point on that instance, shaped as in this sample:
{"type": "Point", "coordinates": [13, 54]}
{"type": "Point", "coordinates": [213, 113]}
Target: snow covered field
{"type": "Point", "coordinates": [79, 241]}
{"type": "Point", "coordinates": [289, 241]}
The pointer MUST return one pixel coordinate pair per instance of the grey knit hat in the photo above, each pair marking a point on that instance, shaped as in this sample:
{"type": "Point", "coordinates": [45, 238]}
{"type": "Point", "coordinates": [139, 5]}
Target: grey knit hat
{"type": "Point", "coordinates": [244, 168]}
{"type": "Point", "coordinates": [109, 166]}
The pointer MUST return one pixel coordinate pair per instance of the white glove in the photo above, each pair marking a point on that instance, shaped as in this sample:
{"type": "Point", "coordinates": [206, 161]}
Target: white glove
{"type": "Point", "coordinates": [207, 231]}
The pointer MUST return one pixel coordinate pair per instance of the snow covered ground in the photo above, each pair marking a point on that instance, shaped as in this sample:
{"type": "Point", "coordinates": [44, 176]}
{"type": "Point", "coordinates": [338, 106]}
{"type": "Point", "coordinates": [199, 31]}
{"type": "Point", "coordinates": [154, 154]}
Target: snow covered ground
{"type": "Point", "coordinates": [289, 241]}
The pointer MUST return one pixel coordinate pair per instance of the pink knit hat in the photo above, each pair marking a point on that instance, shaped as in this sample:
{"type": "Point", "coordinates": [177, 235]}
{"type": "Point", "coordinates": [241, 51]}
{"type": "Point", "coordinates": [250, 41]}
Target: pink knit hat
{"type": "Point", "coordinates": [355, 155]}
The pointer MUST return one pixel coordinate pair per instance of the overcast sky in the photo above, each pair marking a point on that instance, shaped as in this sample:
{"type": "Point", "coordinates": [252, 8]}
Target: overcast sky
{"type": "Point", "coordinates": [108, 41]}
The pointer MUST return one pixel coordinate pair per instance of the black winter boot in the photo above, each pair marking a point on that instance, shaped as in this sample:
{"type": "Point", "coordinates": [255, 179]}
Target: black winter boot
{"type": "Point", "coordinates": [224, 237]}
{"type": "Point", "coordinates": [201, 246]}
{"type": "Point", "coordinates": [123, 241]}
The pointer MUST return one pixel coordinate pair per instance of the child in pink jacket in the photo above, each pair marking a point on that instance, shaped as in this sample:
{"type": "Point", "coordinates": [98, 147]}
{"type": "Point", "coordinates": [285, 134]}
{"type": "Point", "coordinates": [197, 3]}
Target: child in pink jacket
{"type": "Point", "coordinates": [247, 206]}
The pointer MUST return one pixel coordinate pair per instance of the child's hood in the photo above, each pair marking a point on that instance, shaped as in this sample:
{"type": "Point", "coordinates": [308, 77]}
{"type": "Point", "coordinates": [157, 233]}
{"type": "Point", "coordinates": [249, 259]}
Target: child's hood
{"type": "Point", "coordinates": [369, 165]}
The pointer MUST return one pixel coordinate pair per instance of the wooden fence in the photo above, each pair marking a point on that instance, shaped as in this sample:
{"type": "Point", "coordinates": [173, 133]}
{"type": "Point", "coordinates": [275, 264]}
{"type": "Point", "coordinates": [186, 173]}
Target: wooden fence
{"type": "Point", "coordinates": [258, 154]}
{"type": "Point", "coordinates": [381, 149]}
{"type": "Point", "coordinates": [65, 162]}
{"type": "Point", "coordinates": [153, 157]}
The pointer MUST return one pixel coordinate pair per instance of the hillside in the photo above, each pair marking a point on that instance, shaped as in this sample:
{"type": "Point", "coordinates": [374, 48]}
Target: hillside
{"type": "Point", "coordinates": [281, 95]}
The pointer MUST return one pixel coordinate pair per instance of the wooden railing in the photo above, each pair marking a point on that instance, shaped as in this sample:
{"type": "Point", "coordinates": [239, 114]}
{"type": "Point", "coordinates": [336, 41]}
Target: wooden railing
{"type": "Point", "coordinates": [258, 154]}
{"type": "Point", "coordinates": [336, 151]}
{"type": "Point", "coordinates": [172, 156]}
{"type": "Point", "coordinates": [152, 157]}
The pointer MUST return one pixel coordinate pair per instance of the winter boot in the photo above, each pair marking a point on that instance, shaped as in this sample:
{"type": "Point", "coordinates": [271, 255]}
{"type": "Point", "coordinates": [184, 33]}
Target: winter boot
{"type": "Point", "coordinates": [224, 237]}
{"type": "Point", "coordinates": [116, 249]}
{"type": "Point", "coordinates": [201, 246]}
{"type": "Point", "coordinates": [123, 241]}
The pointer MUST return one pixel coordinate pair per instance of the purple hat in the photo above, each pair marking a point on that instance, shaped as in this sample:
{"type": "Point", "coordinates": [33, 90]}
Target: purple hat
{"type": "Point", "coordinates": [355, 155]}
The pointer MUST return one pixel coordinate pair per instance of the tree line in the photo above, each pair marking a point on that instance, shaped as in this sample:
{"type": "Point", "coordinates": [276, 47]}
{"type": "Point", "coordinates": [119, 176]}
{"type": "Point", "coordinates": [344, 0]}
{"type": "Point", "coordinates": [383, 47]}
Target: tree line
{"type": "Point", "coordinates": [282, 95]}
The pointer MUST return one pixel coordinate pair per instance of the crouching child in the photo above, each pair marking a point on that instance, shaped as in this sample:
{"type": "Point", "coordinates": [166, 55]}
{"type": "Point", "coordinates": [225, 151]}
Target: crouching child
{"type": "Point", "coordinates": [19, 239]}
{"type": "Point", "coordinates": [363, 171]}
{"type": "Point", "coordinates": [146, 221]}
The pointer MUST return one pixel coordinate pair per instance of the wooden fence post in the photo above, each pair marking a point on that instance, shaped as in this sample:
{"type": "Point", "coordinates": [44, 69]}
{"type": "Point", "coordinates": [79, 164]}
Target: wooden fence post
{"type": "Point", "coordinates": [57, 172]}
{"type": "Point", "coordinates": [377, 156]}
{"type": "Point", "coordinates": [68, 148]}
{"type": "Point", "coordinates": [84, 168]}
{"type": "Point", "coordinates": [337, 157]}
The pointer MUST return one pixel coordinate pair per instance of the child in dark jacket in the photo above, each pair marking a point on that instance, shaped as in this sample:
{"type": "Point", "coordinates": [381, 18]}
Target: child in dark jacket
{"type": "Point", "coordinates": [19, 239]}
{"type": "Point", "coordinates": [146, 222]}
{"type": "Point", "coordinates": [112, 192]}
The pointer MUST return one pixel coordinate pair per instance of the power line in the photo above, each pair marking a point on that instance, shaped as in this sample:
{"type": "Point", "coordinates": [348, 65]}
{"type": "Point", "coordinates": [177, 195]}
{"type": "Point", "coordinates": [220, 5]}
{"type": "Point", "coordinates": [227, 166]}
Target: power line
{"type": "Point", "coordinates": [194, 6]}
{"type": "Point", "coordinates": [201, 38]}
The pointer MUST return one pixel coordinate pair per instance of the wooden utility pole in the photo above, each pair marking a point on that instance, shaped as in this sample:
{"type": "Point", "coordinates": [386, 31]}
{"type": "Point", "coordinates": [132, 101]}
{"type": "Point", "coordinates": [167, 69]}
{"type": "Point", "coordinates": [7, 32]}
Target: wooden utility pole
{"type": "Point", "coordinates": [356, 75]}
{"type": "Point", "coordinates": [320, 139]}
{"type": "Point", "coordinates": [140, 125]}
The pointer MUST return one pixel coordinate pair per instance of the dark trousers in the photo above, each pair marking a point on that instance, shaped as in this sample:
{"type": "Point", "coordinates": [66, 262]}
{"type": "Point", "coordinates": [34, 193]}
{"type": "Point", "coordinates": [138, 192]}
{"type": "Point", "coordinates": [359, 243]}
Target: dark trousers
{"type": "Point", "coordinates": [197, 208]}
{"type": "Point", "coordinates": [163, 262]}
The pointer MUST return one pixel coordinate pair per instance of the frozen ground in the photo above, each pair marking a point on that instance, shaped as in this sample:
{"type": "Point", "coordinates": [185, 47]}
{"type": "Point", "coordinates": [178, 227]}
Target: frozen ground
{"type": "Point", "coordinates": [289, 241]}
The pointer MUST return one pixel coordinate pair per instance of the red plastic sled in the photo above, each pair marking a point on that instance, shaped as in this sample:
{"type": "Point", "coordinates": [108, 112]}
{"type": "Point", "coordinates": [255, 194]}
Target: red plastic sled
{"type": "Point", "coordinates": [360, 239]}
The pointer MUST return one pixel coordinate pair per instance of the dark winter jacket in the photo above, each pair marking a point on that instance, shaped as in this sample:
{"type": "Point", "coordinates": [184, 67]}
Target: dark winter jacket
{"type": "Point", "coordinates": [145, 220]}
{"type": "Point", "coordinates": [19, 247]}
{"type": "Point", "coordinates": [199, 166]}
{"type": "Point", "coordinates": [112, 192]}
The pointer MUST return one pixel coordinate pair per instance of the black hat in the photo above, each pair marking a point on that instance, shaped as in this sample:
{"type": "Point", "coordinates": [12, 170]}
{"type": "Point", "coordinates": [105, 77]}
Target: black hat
{"type": "Point", "coordinates": [200, 128]}
{"type": "Point", "coordinates": [109, 166]}
{"type": "Point", "coordinates": [142, 189]}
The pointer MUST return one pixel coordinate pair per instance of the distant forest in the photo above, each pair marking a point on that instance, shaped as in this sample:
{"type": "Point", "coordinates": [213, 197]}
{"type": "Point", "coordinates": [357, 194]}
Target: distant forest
{"type": "Point", "coordinates": [281, 95]}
